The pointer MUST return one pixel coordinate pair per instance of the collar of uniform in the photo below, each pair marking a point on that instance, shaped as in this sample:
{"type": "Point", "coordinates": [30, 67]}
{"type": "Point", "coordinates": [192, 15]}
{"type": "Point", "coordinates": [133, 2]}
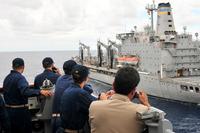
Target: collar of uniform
{"type": "Point", "coordinates": [47, 70]}
{"type": "Point", "coordinates": [14, 71]}
{"type": "Point", "coordinates": [67, 76]}
{"type": "Point", "coordinates": [120, 97]}
{"type": "Point", "coordinates": [76, 85]}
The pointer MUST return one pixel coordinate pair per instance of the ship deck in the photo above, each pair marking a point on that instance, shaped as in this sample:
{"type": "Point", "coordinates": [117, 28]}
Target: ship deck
{"type": "Point", "coordinates": [188, 80]}
{"type": "Point", "coordinates": [194, 80]}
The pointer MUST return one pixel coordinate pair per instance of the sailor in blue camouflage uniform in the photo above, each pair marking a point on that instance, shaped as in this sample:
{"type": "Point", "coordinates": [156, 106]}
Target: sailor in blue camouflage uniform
{"type": "Point", "coordinates": [4, 122]}
{"type": "Point", "coordinates": [16, 92]}
{"type": "Point", "coordinates": [75, 102]}
{"type": "Point", "coordinates": [62, 84]}
{"type": "Point", "coordinates": [50, 72]}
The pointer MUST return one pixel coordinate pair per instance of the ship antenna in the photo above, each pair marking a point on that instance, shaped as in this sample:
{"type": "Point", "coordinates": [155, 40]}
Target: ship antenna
{"type": "Point", "coordinates": [135, 27]}
{"type": "Point", "coordinates": [196, 34]}
{"type": "Point", "coordinates": [184, 28]}
{"type": "Point", "coordinates": [150, 9]}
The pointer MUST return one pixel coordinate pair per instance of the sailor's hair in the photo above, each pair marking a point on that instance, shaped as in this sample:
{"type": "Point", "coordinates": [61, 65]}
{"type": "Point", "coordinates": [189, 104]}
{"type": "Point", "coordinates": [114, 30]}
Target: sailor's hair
{"type": "Point", "coordinates": [47, 62]}
{"type": "Point", "coordinates": [17, 63]}
{"type": "Point", "coordinates": [126, 80]}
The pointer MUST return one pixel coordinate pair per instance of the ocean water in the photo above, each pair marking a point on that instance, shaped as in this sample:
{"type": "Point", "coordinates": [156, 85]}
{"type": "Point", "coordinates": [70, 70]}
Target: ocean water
{"type": "Point", "coordinates": [33, 61]}
{"type": "Point", "coordinates": [184, 117]}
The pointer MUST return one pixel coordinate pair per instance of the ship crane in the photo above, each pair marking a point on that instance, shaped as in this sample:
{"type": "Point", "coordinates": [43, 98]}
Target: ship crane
{"type": "Point", "coordinates": [83, 47]}
{"type": "Point", "coordinates": [118, 46]}
{"type": "Point", "coordinates": [99, 55]}
{"type": "Point", "coordinates": [109, 52]}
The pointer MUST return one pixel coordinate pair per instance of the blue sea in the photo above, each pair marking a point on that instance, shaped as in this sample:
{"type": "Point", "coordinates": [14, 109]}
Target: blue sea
{"type": "Point", "coordinates": [184, 117]}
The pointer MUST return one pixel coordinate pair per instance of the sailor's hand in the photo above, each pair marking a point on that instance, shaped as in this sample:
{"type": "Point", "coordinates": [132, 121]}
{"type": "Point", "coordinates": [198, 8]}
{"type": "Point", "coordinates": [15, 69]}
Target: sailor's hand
{"type": "Point", "coordinates": [103, 96]}
{"type": "Point", "coordinates": [46, 93]}
{"type": "Point", "coordinates": [56, 70]}
{"type": "Point", "coordinates": [110, 93]}
{"type": "Point", "coordinates": [143, 98]}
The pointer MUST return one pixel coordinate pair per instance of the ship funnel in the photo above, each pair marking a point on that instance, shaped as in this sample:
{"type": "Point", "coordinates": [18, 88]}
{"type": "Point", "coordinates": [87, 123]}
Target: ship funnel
{"type": "Point", "coordinates": [165, 21]}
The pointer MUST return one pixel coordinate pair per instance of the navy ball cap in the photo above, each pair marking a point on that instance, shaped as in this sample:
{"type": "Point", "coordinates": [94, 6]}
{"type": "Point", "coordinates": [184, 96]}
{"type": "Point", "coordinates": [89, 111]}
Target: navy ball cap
{"type": "Point", "coordinates": [68, 66]}
{"type": "Point", "coordinates": [80, 73]}
{"type": "Point", "coordinates": [17, 62]}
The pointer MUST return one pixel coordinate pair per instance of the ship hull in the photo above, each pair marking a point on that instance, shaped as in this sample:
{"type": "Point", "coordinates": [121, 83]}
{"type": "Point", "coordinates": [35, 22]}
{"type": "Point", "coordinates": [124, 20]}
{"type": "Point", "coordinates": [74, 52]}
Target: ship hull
{"type": "Point", "coordinates": [154, 86]}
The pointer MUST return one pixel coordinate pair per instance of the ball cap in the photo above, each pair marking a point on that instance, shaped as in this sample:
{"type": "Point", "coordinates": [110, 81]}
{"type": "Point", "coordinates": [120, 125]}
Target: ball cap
{"type": "Point", "coordinates": [80, 72]}
{"type": "Point", "coordinates": [17, 62]}
{"type": "Point", "coordinates": [68, 66]}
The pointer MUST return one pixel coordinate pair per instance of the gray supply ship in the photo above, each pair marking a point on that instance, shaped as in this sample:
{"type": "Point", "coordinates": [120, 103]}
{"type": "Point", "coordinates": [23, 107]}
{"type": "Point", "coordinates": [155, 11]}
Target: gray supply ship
{"type": "Point", "coordinates": [168, 62]}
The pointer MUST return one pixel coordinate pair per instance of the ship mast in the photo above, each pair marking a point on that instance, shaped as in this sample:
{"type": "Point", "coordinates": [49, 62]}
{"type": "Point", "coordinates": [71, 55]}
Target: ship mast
{"type": "Point", "coordinates": [108, 50]}
{"type": "Point", "coordinates": [150, 9]}
{"type": "Point", "coordinates": [83, 47]}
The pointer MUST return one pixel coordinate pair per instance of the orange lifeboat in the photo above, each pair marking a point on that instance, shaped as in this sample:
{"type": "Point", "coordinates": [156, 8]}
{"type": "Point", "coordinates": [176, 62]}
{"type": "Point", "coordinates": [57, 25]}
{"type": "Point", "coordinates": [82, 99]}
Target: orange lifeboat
{"type": "Point", "coordinates": [128, 60]}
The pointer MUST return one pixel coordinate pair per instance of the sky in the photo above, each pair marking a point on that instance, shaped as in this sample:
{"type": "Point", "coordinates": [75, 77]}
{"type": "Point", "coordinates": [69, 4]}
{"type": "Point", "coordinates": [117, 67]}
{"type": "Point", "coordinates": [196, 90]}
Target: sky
{"type": "Point", "coordinates": [45, 25]}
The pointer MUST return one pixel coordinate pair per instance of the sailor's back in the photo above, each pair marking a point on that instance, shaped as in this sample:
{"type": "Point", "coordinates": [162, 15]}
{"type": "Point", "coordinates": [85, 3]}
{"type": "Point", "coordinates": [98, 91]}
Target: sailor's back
{"type": "Point", "coordinates": [117, 115]}
{"type": "Point", "coordinates": [50, 72]}
{"type": "Point", "coordinates": [47, 74]}
{"type": "Point", "coordinates": [62, 83]}
{"type": "Point", "coordinates": [16, 89]}
{"type": "Point", "coordinates": [74, 107]}
{"type": "Point", "coordinates": [10, 88]}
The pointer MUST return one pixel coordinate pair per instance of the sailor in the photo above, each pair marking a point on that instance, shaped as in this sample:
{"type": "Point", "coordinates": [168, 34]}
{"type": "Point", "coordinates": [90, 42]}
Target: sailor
{"type": "Point", "coordinates": [118, 114]}
{"type": "Point", "coordinates": [16, 92]}
{"type": "Point", "coordinates": [75, 102]}
{"type": "Point", "coordinates": [51, 73]}
{"type": "Point", "coordinates": [62, 84]}
{"type": "Point", "coordinates": [4, 122]}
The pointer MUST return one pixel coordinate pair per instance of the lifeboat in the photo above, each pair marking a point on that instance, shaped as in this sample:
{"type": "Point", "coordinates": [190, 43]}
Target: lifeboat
{"type": "Point", "coordinates": [127, 61]}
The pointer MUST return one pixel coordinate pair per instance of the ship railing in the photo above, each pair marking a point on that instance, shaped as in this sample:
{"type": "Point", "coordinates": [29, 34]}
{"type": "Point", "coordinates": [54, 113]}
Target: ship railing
{"type": "Point", "coordinates": [125, 35]}
{"type": "Point", "coordinates": [175, 53]}
{"type": "Point", "coordinates": [110, 71]}
{"type": "Point", "coordinates": [170, 42]}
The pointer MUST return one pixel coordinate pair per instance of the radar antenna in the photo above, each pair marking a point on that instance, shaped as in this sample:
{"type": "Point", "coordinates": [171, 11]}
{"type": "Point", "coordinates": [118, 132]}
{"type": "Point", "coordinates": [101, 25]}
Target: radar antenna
{"type": "Point", "coordinates": [150, 9]}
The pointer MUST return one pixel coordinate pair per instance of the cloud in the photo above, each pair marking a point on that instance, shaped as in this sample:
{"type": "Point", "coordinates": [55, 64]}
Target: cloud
{"type": "Point", "coordinates": [58, 16]}
{"type": "Point", "coordinates": [32, 4]}
{"type": "Point", "coordinates": [45, 22]}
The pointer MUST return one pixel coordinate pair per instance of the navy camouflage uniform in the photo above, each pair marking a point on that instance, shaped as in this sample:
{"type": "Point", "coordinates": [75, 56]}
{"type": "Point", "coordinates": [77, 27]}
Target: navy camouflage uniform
{"type": "Point", "coordinates": [16, 92]}
{"type": "Point", "coordinates": [4, 120]}
{"type": "Point", "coordinates": [47, 74]}
{"type": "Point", "coordinates": [62, 84]}
{"type": "Point", "coordinates": [39, 79]}
{"type": "Point", "coordinates": [75, 104]}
